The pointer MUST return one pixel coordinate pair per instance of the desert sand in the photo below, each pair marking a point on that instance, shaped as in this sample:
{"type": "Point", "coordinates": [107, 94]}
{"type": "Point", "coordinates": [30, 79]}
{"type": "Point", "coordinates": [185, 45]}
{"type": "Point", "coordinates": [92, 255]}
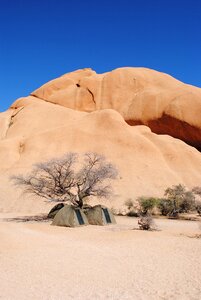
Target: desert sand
{"type": "Point", "coordinates": [114, 262]}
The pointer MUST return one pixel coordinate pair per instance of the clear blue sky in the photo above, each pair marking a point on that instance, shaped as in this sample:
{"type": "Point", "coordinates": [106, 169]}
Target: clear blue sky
{"type": "Point", "coordinates": [43, 39]}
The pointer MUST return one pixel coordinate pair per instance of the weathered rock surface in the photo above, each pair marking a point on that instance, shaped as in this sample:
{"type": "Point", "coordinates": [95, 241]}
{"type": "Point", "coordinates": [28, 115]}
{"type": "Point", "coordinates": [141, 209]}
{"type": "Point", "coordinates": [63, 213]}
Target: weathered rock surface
{"type": "Point", "coordinates": [141, 96]}
{"type": "Point", "coordinates": [34, 130]}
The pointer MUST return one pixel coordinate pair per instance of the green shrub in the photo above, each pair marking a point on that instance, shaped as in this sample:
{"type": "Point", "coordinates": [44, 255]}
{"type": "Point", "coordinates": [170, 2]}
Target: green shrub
{"type": "Point", "coordinates": [177, 200]}
{"type": "Point", "coordinates": [147, 204]}
{"type": "Point", "coordinates": [165, 206]}
{"type": "Point", "coordinates": [188, 202]}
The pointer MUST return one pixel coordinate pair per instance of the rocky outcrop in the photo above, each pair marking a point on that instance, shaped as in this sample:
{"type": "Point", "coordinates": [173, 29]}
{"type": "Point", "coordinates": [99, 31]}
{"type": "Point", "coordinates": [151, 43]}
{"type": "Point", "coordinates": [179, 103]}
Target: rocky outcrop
{"type": "Point", "coordinates": [147, 162]}
{"type": "Point", "coordinates": [83, 111]}
{"type": "Point", "coordinates": [141, 96]}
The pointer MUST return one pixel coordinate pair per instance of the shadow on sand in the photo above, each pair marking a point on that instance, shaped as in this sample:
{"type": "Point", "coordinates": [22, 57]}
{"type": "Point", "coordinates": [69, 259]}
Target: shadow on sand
{"type": "Point", "coordinates": [36, 218]}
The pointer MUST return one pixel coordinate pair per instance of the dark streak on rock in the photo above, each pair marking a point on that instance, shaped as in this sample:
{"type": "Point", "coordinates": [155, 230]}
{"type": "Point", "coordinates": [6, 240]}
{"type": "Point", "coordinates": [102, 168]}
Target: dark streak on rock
{"type": "Point", "coordinates": [93, 99]}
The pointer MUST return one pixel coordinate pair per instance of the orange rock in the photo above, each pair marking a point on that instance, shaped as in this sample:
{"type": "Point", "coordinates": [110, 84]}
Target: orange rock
{"type": "Point", "coordinates": [34, 130]}
{"type": "Point", "coordinates": [141, 96]}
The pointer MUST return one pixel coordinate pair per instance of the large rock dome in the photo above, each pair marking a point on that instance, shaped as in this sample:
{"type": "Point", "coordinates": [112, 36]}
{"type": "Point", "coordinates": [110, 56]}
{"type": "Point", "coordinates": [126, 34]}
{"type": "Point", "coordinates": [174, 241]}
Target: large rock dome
{"type": "Point", "coordinates": [141, 96]}
{"type": "Point", "coordinates": [83, 111]}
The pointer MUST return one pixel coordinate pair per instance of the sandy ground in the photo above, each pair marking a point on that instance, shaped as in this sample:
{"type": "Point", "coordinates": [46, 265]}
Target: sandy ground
{"type": "Point", "coordinates": [39, 261]}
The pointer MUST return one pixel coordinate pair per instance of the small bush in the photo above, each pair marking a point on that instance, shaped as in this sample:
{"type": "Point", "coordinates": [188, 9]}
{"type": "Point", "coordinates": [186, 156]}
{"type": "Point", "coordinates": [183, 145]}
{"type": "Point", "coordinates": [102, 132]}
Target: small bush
{"type": "Point", "coordinates": [165, 206]}
{"type": "Point", "coordinates": [142, 206]}
{"type": "Point", "coordinates": [197, 190]}
{"type": "Point", "coordinates": [178, 200]}
{"type": "Point", "coordinates": [146, 222]}
{"type": "Point", "coordinates": [198, 207]}
{"type": "Point", "coordinates": [132, 208]}
{"type": "Point", "coordinates": [129, 204]}
{"type": "Point", "coordinates": [118, 211]}
{"type": "Point", "coordinates": [188, 202]}
{"type": "Point", "coordinates": [147, 204]}
{"type": "Point", "coordinates": [133, 213]}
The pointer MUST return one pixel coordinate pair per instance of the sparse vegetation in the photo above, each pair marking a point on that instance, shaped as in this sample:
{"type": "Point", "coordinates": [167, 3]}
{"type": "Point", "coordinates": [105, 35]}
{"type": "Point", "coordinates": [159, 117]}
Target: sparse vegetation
{"type": "Point", "coordinates": [132, 208]}
{"type": "Point", "coordinates": [180, 199]}
{"type": "Point", "coordinates": [133, 213]}
{"type": "Point", "coordinates": [165, 206]}
{"type": "Point", "coordinates": [146, 204]}
{"type": "Point", "coordinates": [197, 191]}
{"type": "Point", "coordinates": [177, 199]}
{"type": "Point", "coordinates": [146, 222]}
{"type": "Point", "coordinates": [142, 208]}
{"type": "Point", "coordinates": [198, 207]}
{"type": "Point", "coordinates": [188, 202]}
{"type": "Point", "coordinates": [142, 205]}
{"type": "Point", "coordinates": [129, 204]}
{"type": "Point", "coordinates": [63, 179]}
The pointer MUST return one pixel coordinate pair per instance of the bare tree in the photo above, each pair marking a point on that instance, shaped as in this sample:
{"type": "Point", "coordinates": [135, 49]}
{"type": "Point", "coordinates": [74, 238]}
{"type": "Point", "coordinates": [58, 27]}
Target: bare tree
{"type": "Point", "coordinates": [94, 178]}
{"type": "Point", "coordinates": [61, 180]}
{"type": "Point", "coordinates": [52, 180]}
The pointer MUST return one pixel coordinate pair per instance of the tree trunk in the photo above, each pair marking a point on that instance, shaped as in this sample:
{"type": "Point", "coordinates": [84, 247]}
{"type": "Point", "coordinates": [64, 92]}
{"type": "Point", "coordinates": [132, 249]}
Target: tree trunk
{"type": "Point", "coordinates": [80, 201]}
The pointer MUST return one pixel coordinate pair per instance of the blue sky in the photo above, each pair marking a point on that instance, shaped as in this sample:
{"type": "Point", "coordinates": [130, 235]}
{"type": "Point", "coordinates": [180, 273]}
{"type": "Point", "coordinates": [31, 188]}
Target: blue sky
{"type": "Point", "coordinates": [41, 40]}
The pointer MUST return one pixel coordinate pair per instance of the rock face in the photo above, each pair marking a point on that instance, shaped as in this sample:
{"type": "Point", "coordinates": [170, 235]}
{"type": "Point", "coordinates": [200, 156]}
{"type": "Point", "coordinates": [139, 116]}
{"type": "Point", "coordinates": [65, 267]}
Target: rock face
{"type": "Point", "coordinates": [35, 130]}
{"type": "Point", "coordinates": [83, 111]}
{"type": "Point", "coordinates": [141, 96]}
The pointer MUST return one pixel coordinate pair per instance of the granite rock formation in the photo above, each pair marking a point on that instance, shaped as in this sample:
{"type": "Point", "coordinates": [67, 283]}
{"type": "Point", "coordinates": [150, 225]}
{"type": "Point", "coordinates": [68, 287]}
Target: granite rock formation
{"type": "Point", "coordinates": [83, 111]}
{"type": "Point", "coordinates": [141, 96]}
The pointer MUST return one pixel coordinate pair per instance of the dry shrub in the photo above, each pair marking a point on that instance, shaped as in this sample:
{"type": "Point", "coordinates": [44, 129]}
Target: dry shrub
{"type": "Point", "coordinates": [146, 222]}
{"type": "Point", "coordinates": [132, 207]}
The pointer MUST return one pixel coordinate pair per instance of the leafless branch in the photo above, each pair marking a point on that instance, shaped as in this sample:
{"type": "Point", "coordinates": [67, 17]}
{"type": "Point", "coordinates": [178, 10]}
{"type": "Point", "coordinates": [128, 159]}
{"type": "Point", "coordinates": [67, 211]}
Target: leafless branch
{"type": "Point", "coordinates": [56, 179]}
